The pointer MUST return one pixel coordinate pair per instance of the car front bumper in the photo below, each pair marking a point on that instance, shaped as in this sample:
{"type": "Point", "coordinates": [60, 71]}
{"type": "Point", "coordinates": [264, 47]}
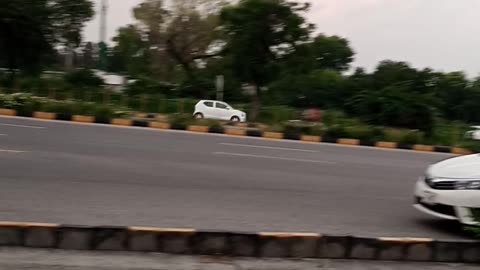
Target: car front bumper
{"type": "Point", "coordinates": [447, 204]}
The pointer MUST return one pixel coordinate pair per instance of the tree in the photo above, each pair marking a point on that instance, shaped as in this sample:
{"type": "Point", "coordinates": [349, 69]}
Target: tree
{"type": "Point", "coordinates": [331, 52]}
{"type": "Point", "coordinates": [131, 52]}
{"type": "Point", "coordinates": [69, 18]}
{"type": "Point", "coordinates": [393, 106]}
{"type": "Point", "coordinates": [259, 34]}
{"type": "Point", "coordinates": [88, 55]}
{"type": "Point", "coordinates": [179, 35]}
{"type": "Point", "coordinates": [188, 37]}
{"type": "Point", "coordinates": [26, 34]}
{"type": "Point", "coordinates": [151, 16]}
{"type": "Point", "coordinates": [394, 73]}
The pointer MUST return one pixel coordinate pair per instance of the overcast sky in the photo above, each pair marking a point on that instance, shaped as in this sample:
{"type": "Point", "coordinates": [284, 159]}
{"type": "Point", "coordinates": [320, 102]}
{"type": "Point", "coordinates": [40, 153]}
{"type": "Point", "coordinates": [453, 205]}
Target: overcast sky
{"type": "Point", "coordinates": [443, 34]}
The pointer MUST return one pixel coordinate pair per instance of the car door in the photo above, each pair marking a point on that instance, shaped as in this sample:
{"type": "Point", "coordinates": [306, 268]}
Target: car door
{"type": "Point", "coordinates": [208, 109]}
{"type": "Point", "coordinates": [222, 111]}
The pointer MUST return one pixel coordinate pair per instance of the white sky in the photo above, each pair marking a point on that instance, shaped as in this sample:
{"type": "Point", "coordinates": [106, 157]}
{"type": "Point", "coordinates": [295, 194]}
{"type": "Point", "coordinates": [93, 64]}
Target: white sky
{"type": "Point", "coordinates": [442, 34]}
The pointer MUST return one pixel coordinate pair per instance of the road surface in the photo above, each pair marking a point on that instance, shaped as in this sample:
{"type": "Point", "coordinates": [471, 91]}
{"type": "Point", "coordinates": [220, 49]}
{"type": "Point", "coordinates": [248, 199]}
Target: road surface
{"type": "Point", "coordinates": [101, 175]}
{"type": "Point", "coordinates": [25, 259]}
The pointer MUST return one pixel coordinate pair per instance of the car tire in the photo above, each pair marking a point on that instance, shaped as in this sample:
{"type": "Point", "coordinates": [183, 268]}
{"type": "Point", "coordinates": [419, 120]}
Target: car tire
{"type": "Point", "coordinates": [198, 116]}
{"type": "Point", "coordinates": [235, 119]}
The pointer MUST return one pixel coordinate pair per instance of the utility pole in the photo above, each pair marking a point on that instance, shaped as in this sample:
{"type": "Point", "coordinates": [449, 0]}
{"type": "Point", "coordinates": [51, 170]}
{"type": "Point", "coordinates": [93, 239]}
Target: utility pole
{"type": "Point", "coordinates": [103, 36]}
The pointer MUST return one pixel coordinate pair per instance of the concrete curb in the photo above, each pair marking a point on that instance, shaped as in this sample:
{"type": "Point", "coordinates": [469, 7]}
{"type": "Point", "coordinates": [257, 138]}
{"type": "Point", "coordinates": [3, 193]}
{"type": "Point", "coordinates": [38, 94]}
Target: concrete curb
{"type": "Point", "coordinates": [263, 245]}
{"type": "Point", "coordinates": [240, 132]}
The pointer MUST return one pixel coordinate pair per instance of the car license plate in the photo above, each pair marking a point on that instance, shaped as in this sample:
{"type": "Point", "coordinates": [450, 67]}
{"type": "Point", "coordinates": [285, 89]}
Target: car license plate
{"type": "Point", "coordinates": [429, 198]}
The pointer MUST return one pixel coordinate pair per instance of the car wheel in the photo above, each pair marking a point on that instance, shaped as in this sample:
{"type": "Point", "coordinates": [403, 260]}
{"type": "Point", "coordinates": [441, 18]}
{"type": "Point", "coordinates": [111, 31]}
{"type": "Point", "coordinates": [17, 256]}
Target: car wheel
{"type": "Point", "coordinates": [198, 116]}
{"type": "Point", "coordinates": [235, 119]}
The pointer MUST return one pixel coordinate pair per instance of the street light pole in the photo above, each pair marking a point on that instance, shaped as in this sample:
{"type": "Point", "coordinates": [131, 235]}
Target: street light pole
{"type": "Point", "coordinates": [103, 36]}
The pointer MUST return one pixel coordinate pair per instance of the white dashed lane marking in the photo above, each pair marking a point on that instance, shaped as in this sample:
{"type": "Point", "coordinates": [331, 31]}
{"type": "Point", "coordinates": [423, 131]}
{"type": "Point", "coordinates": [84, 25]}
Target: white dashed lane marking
{"type": "Point", "coordinates": [22, 126]}
{"type": "Point", "coordinates": [273, 158]}
{"type": "Point", "coordinates": [8, 151]}
{"type": "Point", "coordinates": [269, 147]}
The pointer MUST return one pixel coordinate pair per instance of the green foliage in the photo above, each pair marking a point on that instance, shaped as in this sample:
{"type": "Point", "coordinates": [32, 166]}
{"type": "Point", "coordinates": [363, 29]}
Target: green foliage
{"type": "Point", "coordinates": [404, 136]}
{"type": "Point", "coordinates": [30, 29]}
{"type": "Point", "coordinates": [259, 33]}
{"type": "Point", "coordinates": [149, 86]}
{"type": "Point", "coordinates": [393, 106]}
{"type": "Point", "coordinates": [181, 119]}
{"type": "Point", "coordinates": [26, 31]}
{"type": "Point", "coordinates": [277, 114]}
{"type": "Point", "coordinates": [331, 52]}
{"type": "Point", "coordinates": [83, 78]}
{"type": "Point", "coordinates": [69, 18]}
{"type": "Point", "coordinates": [130, 54]}
{"type": "Point", "coordinates": [26, 104]}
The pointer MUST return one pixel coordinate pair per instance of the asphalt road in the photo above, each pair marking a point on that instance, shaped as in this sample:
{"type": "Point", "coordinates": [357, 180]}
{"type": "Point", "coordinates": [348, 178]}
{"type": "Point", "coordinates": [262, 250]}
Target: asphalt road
{"type": "Point", "coordinates": [31, 259]}
{"type": "Point", "coordinates": [100, 175]}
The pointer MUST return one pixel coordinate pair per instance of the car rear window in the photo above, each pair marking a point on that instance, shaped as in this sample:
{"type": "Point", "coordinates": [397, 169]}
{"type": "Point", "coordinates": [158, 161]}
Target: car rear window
{"type": "Point", "coordinates": [208, 103]}
{"type": "Point", "coordinates": [221, 105]}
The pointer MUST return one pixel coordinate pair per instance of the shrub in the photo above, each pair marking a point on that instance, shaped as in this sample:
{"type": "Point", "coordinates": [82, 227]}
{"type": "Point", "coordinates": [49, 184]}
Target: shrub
{"type": "Point", "coordinates": [103, 114]}
{"type": "Point", "coordinates": [473, 146]}
{"type": "Point", "coordinates": [83, 78]}
{"type": "Point", "coordinates": [303, 128]}
{"type": "Point", "coordinates": [277, 114]}
{"type": "Point", "coordinates": [361, 132]}
{"type": "Point", "coordinates": [181, 119]}
{"type": "Point", "coordinates": [214, 124]}
{"type": "Point", "coordinates": [405, 136]}
{"type": "Point", "coordinates": [276, 128]}
{"type": "Point", "coordinates": [336, 131]}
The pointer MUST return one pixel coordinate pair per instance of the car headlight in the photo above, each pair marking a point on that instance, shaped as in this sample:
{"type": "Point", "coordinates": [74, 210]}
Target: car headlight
{"type": "Point", "coordinates": [467, 185]}
{"type": "Point", "coordinates": [429, 180]}
{"type": "Point", "coordinates": [449, 184]}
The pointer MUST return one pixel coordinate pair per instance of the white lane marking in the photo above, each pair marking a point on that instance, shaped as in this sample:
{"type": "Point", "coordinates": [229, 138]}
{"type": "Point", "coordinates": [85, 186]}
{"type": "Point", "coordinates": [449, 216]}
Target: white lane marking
{"type": "Point", "coordinates": [3, 134]}
{"type": "Point", "coordinates": [11, 151]}
{"type": "Point", "coordinates": [269, 147]}
{"type": "Point", "coordinates": [22, 126]}
{"type": "Point", "coordinates": [272, 157]}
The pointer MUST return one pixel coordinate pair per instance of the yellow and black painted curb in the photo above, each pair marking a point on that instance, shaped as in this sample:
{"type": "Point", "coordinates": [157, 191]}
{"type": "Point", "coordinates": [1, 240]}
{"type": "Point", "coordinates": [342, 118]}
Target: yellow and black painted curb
{"type": "Point", "coordinates": [234, 244]}
{"type": "Point", "coordinates": [235, 131]}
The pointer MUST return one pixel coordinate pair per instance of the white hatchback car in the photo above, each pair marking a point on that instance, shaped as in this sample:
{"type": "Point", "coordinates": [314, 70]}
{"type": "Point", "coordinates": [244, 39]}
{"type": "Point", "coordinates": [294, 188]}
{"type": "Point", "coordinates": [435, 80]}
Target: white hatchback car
{"type": "Point", "coordinates": [218, 110]}
{"type": "Point", "coordinates": [451, 190]}
{"type": "Point", "coordinates": [474, 133]}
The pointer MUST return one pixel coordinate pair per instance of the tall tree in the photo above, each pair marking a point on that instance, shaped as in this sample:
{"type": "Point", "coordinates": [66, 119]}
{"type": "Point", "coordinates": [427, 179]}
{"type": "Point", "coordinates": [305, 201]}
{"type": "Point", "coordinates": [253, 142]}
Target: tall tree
{"type": "Point", "coordinates": [180, 33]}
{"type": "Point", "coordinates": [70, 17]}
{"type": "Point", "coordinates": [260, 33]}
{"type": "Point", "coordinates": [331, 52]}
{"type": "Point", "coordinates": [131, 52]}
{"type": "Point", "coordinates": [26, 34]}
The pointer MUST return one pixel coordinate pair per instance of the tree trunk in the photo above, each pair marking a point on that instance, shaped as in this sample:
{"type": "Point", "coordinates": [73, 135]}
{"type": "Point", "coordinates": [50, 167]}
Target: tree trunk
{"type": "Point", "coordinates": [69, 58]}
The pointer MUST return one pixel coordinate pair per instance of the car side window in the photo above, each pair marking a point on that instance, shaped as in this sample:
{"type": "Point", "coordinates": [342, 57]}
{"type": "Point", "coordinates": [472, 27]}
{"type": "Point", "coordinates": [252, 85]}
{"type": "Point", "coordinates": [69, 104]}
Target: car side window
{"type": "Point", "coordinates": [208, 104]}
{"type": "Point", "coordinates": [221, 106]}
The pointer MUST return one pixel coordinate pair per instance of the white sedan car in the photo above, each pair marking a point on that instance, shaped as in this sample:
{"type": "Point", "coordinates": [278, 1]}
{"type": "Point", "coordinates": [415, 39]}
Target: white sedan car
{"type": "Point", "coordinates": [451, 190]}
{"type": "Point", "coordinates": [218, 110]}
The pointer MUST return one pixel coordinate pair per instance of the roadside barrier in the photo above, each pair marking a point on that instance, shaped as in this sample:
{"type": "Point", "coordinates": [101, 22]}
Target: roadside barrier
{"type": "Point", "coordinates": [260, 245]}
